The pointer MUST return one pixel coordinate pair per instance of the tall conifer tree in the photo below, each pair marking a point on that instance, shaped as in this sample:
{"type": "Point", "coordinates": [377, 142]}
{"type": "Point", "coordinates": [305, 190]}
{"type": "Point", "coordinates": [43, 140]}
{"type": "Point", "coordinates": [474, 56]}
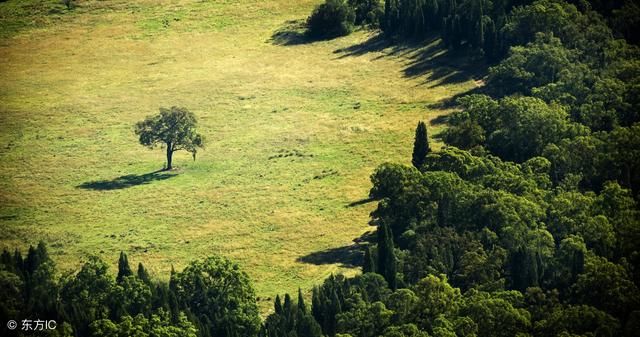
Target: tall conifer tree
{"type": "Point", "coordinates": [301, 306]}
{"type": "Point", "coordinates": [143, 274]}
{"type": "Point", "coordinates": [124, 269]}
{"type": "Point", "coordinates": [368, 265]}
{"type": "Point", "coordinates": [386, 255]}
{"type": "Point", "coordinates": [420, 145]}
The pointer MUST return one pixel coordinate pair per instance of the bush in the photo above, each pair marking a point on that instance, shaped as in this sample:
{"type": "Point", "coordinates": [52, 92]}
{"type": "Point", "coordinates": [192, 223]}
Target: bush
{"type": "Point", "coordinates": [331, 19]}
{"type": "Point", "coordinates": [368, 12]}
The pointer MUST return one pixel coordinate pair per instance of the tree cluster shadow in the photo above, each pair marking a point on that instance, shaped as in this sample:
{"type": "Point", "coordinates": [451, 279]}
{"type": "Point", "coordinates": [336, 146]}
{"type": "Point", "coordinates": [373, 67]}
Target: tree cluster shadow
{"type": "Point", "coordinates": [427, 57]}
{"type": "Point", "coordinates": [291, 33]}
{"type": "Point", "coordinates": [126, 181]}
{"type": "Point", "coordinates": [451, 102]}
{"type": "Point", "coordinates": [347, 256]}
{"type": "Point", "coordinates": [423, 57]}
{"type": "Point", "coordinates": [439, 120]}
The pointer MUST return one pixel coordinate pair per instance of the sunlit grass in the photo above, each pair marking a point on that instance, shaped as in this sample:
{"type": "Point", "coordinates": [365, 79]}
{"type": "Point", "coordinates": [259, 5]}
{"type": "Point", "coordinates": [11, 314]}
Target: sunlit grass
{"type": "Point", "coordinates": [293, 133]}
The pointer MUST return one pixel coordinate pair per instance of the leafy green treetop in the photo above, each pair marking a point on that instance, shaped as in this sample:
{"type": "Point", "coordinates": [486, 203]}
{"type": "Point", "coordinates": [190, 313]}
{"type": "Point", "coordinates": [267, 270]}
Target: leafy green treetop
{"type": "Point", "coordinates": [174, 129]}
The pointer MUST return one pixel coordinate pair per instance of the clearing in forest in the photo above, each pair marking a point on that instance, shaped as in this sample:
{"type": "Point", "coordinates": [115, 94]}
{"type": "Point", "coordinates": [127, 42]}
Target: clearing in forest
{"type": "Point", "coordinates": [294, 129]}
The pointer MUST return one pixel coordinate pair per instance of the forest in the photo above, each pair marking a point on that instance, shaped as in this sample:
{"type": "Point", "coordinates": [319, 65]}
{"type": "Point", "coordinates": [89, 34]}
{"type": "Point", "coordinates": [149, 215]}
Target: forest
{"type": "Point", "coordinates": [525, 223]}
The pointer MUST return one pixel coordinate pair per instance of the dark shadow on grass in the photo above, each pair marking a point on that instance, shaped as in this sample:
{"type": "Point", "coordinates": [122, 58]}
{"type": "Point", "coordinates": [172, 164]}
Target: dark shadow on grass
{"type": "Point", "coordinates": [291, 33]}
{"type": "Point", "coordinates": [347, 256]}
{"type": "Point", "coordinates": [440, 120]}
{"type": "Point", "coordinates": [442, 66]}
{"type": "Point", "coordinates": [451, 102]}
{"type": "Point", "coordinates": [375, 43]}
{"type": "Point", "coordinates": [425, 57]}
{"type": "Point", "coordinates": [369, 237]}
{"type": "Point", "coordinates": [294, 32]}
{"type": "Point", "coordinates": [127, 181]}
{"type": "Point", "coordinates": [360, 202]}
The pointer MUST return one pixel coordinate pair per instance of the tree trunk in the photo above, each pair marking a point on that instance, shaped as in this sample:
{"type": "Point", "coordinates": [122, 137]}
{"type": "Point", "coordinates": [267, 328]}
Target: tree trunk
{"type": "Point", "coordinates": [169, 155]}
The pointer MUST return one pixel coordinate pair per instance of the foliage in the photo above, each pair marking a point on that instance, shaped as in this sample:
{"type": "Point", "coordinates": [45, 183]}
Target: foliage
{"type": "Point", "coordinates": [420, 145]}
{"type": "Point", "coordinates": [210, 297]}
{"type": "Point", "coordinates": [217, 292]}
{"type": "Point", "coordinates": [174, 128]}
{"type": "Point", "coordinates": [331, 19]}
{"type": "Point", "coordinates": [490, 248]}
{"type": "Point", "coordinates": [367, 12]}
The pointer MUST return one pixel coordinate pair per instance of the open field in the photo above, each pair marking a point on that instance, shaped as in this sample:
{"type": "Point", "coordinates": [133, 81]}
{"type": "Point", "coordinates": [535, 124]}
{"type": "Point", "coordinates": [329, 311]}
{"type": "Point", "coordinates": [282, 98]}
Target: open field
{"type": "Point", "coordinates": [294, 129]}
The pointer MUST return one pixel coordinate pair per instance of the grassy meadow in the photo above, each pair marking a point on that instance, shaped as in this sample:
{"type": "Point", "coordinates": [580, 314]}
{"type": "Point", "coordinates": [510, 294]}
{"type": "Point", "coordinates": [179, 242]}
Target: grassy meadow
{"type": "Point", "coordinates": [293, 128]}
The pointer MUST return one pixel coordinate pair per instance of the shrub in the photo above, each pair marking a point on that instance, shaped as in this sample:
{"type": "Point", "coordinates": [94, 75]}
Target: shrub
{"type": "Point", "coordinates": [331, 19]}
{"type": "Point", "coordinates": [367, 12]}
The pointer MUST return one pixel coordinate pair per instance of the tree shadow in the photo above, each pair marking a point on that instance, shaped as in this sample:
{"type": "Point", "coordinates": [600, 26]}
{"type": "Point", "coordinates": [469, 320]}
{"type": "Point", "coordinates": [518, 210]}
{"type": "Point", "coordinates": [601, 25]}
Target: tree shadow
{"type": "Point", "coordinates": [359, 202]}
{"type": "Point", "coordinates": [126, 181]}
{"type": "Point", "coordinates": [452, 102]}
{"type": "Point", "coordinates": [291, 33]}
{"type": "Point", "coordinates": [442, 66]}
{"type": "Point", "coordinates": [375, 43]}
{"type": "Point", "coordinates": [380, 43]}
{"type": "Point", "coordinates": [439, 120]}
{"type": "Point", "coordinates": [424, 57]}
{"type": "Point", "coordinates": [347, 256]}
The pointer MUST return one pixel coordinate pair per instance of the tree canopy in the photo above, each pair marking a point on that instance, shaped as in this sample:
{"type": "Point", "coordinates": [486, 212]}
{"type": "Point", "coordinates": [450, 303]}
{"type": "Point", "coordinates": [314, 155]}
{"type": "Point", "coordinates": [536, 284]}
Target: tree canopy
{"type": "Point", "coordinates": [174, 129]}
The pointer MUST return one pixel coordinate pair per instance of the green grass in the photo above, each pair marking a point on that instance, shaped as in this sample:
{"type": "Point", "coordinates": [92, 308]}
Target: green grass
{"type": "Point", "coordinates": [293, 133]}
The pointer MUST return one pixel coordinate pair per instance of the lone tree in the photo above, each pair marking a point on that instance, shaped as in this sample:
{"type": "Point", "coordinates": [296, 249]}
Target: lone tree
{"type": "Point", "coordinates": [420, 145]}
{"type": "Point", "coordinates": [174, 129]}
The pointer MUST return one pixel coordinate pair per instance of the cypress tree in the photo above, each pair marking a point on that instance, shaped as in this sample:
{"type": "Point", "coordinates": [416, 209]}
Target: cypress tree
{"type": "Point", "coordinates": [43, 254]}
{"type": "Point", "coordinates": [333, 310]}
{"type": "Point", "coordinates": [382, 249]}
{"type": "Point", "coordinates": [33, 260]}
{"type": "Point", "coordinates": [316, 305]}
{"type": "Point", "coordinates": [7, 260]}
{"type": "Point", "coordinates": [391, 17]}
{"type": "Point", "coordinates": [524, 269]}
{"type": "Point", "coordinates": [577, 265]}
{"type": "Point", "coordinates": [173, 283]}
{"type": "Point", "coordinates": [143, 275]}
{"type": "Point", "coordinates": [173, 305]}
{"type": "Point", "coordinates": [490, 38]}
{"type": "Point", "coordinates": [19, 262]}
{"type": "Point", "coordinates": [302, 308]}
{"type": "Point", "coordinates": [287, 304]}
{"type": "Point", "coordinates": [123, 267]}
{"type": "Point", "coordinates": [308, 327]}
{"type": "Point", "coordinates": [368, 265]}
{"type": "Point", "coordinates": [289, 312]}
{"type": "Point", "coordinates": [277, 305]}
{"type": "Point", "coordinates": [479, 33]}
{"type": "Point", "coordinates": [386, 256]}
{"type": "Point", "coordinates": [420, 145]}
{"type": "Point", "coordinates": [160, 297]}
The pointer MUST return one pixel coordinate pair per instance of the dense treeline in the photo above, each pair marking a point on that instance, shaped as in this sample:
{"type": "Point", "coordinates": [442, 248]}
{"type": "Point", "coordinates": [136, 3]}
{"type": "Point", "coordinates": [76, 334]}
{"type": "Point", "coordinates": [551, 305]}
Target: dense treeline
{"type": "Point", "coordinates": [484, 27]}
{"type": "Point", "coordinates": [471, 245]}
{"type": "Point", "coordinates": [492, 27]}
{"type": "Point", "coordinates": [210, 297]}
{"type": "Point", "coordinates": [569, 95]}
{"type": "Point", "coordinates": [528, 223]}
